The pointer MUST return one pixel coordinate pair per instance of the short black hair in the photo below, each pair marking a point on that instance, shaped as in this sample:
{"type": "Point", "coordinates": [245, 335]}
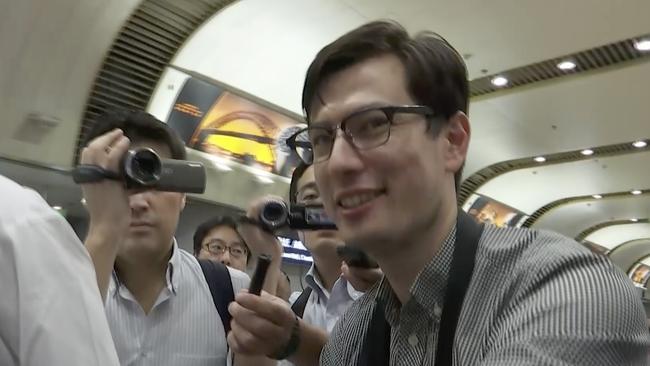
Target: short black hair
{"type": "Point", "coordinates": [213, 223]}
{"type": "Point", "coordinates": [138, 126]}
{"type": "Point", "coordinates": [435, 71]}
{"type": "Point", "coordinates": [298, 172]}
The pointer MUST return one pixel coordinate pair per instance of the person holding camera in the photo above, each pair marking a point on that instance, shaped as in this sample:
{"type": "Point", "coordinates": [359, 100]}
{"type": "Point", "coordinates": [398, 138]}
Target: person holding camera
{"type": "Point", "coordinates": [388, 136]}
{"type": "Point", "coordinates": [159, 305]}
{"type": "Point", "coordinates": [332, 284]}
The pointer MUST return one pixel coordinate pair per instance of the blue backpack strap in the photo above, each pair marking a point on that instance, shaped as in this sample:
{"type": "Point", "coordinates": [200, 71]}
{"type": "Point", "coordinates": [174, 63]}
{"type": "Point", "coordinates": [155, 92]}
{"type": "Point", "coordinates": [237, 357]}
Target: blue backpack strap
{"type": "Point", "coordinates": [218, 279]}
{"type": "Point", "coordinates": [298, 306]}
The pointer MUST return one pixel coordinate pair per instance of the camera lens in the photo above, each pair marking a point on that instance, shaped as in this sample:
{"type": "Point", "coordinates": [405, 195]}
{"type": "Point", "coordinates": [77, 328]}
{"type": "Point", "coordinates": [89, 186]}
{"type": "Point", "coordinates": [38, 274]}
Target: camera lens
{"type": "Point", "coordinates": [274, 214]}
{"type": "Point", "coordinates": [143, 166]}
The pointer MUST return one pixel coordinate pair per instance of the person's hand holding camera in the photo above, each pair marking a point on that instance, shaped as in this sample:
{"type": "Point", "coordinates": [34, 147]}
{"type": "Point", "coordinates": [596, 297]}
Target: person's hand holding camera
{"type": "Point", "coordinates": [107, 201]}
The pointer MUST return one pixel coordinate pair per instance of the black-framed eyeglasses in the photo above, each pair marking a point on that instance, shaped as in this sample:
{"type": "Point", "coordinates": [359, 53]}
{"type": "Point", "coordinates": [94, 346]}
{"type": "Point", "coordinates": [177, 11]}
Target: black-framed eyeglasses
{"type": "Point", "coordinates": [217, 247]}
{"type": "Point", "coordinates": [365, 129]}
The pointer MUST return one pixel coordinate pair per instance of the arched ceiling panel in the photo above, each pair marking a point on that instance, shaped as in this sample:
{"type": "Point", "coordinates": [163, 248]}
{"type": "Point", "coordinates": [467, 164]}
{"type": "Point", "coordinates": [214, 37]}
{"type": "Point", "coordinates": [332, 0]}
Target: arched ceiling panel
{"type": "Point", "coordinates": [51, 53]}
{"type": "Point", "coordinates": [612, 236]}
{"type": "Point", "coordinates": [571, 219]}
{"type": "Point", "coordinates": [530, 189]}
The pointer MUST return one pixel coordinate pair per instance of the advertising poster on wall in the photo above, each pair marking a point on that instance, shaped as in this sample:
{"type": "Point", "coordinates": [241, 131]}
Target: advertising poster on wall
{"type": "Point", "coordinates": [640, 274]}
{"type": "Point", "coordinates": [488, 210]}
{"type": "Point", "coordinates": [217, 121]}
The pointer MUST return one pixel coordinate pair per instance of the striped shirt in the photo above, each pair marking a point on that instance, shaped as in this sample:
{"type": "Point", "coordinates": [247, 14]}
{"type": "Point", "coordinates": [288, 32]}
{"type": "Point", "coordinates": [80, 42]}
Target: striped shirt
{"type": "Point", "coordinates": [535, 298]}
{"type": "Point", "coordinates": [182, 328]}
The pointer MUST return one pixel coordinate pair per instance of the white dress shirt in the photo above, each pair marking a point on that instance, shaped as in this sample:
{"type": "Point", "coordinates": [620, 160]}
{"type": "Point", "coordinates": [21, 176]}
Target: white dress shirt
{"type": "Point", "coordinates": [50, 310]}
{"type": "Point", "coordinates": [182, 328]}
{"type": "Point", "coordinates": [323, 308]}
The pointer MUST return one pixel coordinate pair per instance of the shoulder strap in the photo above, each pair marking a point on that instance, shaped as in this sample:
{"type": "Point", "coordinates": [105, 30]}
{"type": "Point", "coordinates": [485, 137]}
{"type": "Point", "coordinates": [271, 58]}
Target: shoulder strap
{"type": "Point", "coordinates": [468, 234]}
{"type": "Point", "coordinates": [299, 305]}
{"type": "Point", "coordinates": [218, 279]}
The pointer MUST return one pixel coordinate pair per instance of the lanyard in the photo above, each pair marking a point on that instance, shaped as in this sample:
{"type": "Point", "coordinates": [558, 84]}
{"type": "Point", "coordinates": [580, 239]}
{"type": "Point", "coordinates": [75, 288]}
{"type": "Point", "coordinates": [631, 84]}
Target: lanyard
{"type": "Point", "coordinates": [375, 350]}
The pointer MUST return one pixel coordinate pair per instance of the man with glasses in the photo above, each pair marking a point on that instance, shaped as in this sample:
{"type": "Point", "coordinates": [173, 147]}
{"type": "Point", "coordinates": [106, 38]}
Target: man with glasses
{"type": "Point", "coordinates": [388, 136]}
{"type": "Point", "coordinates": [217, 239]}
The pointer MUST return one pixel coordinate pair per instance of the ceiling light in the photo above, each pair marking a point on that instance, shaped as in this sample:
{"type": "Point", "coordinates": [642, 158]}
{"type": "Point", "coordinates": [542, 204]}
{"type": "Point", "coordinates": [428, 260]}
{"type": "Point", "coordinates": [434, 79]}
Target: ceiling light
{"type": "Point", "coordinates": [634, 220]}
{"type": "Point", "coordinates": [597, 196]}
{"type": "Point", "coordinates": [639, 144]}
{"type": "Point", "coordinates": [566, 65]}
{"type": "Point", "coordinates": [540, 159]}
{"type": "Point", "coordinates": [499, 81]}
{"type": "Point", "coordinates": [58, 208]}
{"type": "Point", "coordinates": [636, 192]}
{"type": "Point", "coordinates": [83, 201]}
{"type": "Point", "coordinates": [587, 152]}
{"type": "Point", "coordinates": [642, 45]}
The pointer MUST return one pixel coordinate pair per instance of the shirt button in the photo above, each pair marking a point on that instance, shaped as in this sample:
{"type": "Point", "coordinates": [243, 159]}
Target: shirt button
{"type": "Point", "coordinates": [437, 311]}
{"type": "Point", "coordinates": [413, 340]}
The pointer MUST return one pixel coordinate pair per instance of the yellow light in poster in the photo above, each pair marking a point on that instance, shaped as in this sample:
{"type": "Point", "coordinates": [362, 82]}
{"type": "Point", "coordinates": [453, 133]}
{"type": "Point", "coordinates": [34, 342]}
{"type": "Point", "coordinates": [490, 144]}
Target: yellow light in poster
{"type": "Point", "coordinates": [239, 146]}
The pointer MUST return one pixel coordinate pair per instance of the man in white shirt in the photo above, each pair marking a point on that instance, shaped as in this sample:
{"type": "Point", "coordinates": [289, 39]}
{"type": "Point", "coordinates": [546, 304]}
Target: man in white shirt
{"type": "Point", "coordinates": [50, 309]}
{"type": "Point", "coordinates": [158, 302]}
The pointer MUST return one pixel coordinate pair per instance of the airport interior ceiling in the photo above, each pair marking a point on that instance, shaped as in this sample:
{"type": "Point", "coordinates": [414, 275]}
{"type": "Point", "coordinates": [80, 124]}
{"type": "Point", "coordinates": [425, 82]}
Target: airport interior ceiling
{"type": "Point", "coordinates": [559, 108]}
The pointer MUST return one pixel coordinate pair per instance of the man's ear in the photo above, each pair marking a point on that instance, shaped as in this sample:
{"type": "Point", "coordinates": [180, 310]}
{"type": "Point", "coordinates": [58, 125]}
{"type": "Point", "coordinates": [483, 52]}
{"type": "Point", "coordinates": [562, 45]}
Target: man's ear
{"type": "Point", "coordinates": [457, 134]}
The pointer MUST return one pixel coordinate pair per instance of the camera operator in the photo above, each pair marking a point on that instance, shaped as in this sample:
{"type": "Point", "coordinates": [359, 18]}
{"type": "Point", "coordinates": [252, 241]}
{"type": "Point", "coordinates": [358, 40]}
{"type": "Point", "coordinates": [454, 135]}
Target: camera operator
{"type": "Point", "coordinates": [389, 134]}
{"type": "Point", "coordinates": [157, 300]}
{"type": "Point", "coordinates": [332, 285]}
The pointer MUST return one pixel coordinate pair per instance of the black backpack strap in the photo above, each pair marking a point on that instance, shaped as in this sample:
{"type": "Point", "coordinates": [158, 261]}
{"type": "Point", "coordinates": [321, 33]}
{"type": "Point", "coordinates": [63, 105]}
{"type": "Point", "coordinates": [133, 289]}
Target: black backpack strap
{"type": "Point", "coordinates": [299, 305]}
{"type": "Point", "coordinates": [468, 235]}
{"type": "Point", "coordinates": [218, 279]}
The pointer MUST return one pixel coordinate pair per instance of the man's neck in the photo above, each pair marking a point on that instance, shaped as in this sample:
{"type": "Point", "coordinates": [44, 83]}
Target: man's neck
{"type": "Point", "coordinates": [328, 268]}
{"type": "Point", "coordinates": [403, 263]}
{"type": "Point", "coordinates": [144, 278]}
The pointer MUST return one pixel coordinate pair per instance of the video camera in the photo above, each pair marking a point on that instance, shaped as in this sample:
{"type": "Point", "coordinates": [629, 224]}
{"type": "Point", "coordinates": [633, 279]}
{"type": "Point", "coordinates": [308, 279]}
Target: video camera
{"type": "Point", "coordinates": [143, 168]}
{"type": "Point", "coordinates": [277, 214]}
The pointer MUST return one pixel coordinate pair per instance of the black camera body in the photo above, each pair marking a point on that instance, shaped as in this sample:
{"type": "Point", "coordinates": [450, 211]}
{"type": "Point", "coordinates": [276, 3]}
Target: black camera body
{"type": "Point", "coordinates": [144, 169]}
{"type": "Point", "coordinates": [277, 214]}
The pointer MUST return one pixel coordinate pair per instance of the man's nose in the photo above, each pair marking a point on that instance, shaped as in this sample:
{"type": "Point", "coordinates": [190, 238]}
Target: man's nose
{"type": "Point", "coordinates": [225, 258]}
{"type": "Point", "coordinates": [344, 156]}
{"type": "Point", "coordinates": [138, 201]}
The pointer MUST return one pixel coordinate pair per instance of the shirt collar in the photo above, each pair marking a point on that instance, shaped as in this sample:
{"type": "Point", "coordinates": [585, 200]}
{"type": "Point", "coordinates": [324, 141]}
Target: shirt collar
{"type": "Point", "coordinates": [313, 280]}
{"type": "Point", "coordinates": [172, 279]}
{"type": "Point", "coordinates": [429, 287]}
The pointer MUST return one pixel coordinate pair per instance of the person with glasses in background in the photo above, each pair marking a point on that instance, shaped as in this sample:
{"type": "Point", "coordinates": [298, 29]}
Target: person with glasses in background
{"type": "Point", "coordinates": [217, 239]}
{"type": "Point", "coordinates": [388, 137]}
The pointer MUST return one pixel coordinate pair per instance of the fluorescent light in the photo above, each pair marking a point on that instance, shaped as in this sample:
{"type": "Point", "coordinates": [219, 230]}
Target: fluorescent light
{"type": "Point", "coordinates": [540, 159]}
{"type": "Point", "coordinates": [58, 208]}
{"type": "Point", "coordinates": [639, 144]}
{"type": "Point", "coordinates": [264, 179]}
{"type": "Point", "coordinates": [636, 192]}
{"type": "Point", "coordinates": [597, 196]}
{"type": "Point", "coordinates": [634, 220]}
{"type": "Point", "coordinates": [642, 45]}
{"type": "Point", "coordinates": [566, 65]}
{"type": "Point", "coordinates": [587, 152]}
{"type": "Point", "coordinates": [222, 167]}
{"type": "Point", "coordinates": [499, 81]}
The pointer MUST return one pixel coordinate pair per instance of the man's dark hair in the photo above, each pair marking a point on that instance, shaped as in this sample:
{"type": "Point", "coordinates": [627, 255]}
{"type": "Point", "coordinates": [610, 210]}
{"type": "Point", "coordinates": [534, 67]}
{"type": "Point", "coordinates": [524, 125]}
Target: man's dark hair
{"type": "Point", "coordinates": [213, 223]}
{"type": "Point", "coordinates": [435, 71]}
{"type": "Point", "coordinates": [295, 177]}
{"type": "Point", "coordinates": [138, 126]}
